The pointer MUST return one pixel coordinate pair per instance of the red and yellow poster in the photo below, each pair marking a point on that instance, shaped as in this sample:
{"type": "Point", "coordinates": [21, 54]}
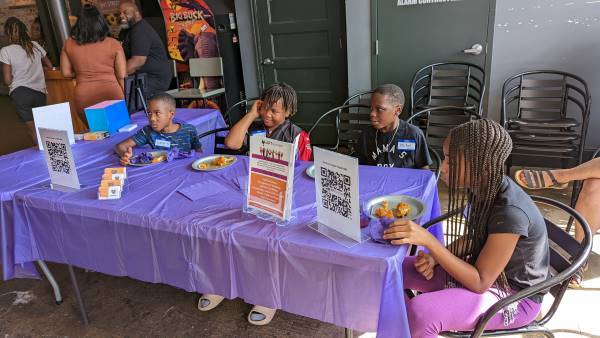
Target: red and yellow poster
{"type": "Point", "coordinates": [190, 28]}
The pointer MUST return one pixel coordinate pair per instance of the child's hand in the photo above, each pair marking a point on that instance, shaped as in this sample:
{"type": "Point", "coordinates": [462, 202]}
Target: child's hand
{"type": "Point", "coordinates": [256, 107]}
{"type": "Point", "coordinates": [424, 264]}
{"type": "Point", "coordinates": [126, 156]}
{"type": "Point", "coordinates": [408, 232]}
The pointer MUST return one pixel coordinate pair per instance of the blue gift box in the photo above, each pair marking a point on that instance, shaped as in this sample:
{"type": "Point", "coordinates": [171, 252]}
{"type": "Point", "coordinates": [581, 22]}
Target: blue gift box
{"type": "Point", "coordinates": [107, 116]}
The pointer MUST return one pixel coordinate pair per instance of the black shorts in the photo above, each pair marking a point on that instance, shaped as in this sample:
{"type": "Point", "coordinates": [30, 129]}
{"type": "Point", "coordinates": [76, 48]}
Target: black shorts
{"type": "Point", "coordinates": [25, 99]}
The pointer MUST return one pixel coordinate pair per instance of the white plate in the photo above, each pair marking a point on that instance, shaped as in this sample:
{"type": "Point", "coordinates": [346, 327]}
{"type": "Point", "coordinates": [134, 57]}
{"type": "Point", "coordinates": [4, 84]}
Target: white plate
{"type": "Point", "coordinates": [416, 206]}
{"type": "Point", "coordinates": [310, 171]}
{"type": "Point", "coordinates": [208, 160]}
{"type": "Point", "coordinates": [154, 154]}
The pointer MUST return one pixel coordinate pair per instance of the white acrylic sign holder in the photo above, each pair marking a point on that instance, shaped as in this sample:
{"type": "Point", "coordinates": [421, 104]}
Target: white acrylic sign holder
{"type": "Point", "coordinates": [59, 159]}
{"type": "Point", "coordinates": [344, 229]}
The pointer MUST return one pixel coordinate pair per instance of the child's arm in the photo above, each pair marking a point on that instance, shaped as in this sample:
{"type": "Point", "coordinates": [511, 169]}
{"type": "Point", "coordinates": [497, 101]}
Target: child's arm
{"type": "Point", "coordinates": [237, 134]}
{"type": "Point", "coordinates": [492, 259]}
{"type": "Point", "coordinates": [122, 147]}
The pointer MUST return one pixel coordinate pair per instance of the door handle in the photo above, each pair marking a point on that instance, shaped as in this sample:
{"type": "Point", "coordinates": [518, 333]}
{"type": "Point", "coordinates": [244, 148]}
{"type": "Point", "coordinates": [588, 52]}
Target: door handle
{"type": "Point", "coordinates": [476, 49]}
{"type": "Point", "coordinates": [268, 62]}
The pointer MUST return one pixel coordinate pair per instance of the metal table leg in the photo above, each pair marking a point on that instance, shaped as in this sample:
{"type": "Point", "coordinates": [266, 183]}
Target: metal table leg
{"type": "Point", "coordinates": [78, 295]}
{"type": "Point", "coordinates": [348, 333]}
{"type": "Point", "coordinates": [50, 278]}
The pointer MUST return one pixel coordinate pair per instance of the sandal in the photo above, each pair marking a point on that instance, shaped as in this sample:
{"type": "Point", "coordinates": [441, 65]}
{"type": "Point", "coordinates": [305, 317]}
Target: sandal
{"type": "Point", "coordinates": [260, 315]}
{"type": "Point", "coordinates": [208, 302]}
{"type": "Point", "coordinates": [534, 179]}
{"type": "Point", "coordinates": [577, 279]}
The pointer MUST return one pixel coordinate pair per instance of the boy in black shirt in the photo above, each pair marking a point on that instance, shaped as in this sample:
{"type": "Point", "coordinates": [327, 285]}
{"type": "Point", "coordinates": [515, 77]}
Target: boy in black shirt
{"type": "Point", "coordinates": [391, 142]}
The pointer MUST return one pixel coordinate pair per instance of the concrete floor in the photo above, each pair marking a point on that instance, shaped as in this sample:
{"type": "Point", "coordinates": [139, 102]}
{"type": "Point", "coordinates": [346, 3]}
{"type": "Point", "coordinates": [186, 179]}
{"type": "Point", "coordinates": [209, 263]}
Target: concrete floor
{"type": "Point", "coordinates": [126, 307]}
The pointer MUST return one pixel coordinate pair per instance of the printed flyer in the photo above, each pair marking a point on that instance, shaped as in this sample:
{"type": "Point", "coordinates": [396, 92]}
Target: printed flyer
{"type": "Point", "coordinates": [271, 177]}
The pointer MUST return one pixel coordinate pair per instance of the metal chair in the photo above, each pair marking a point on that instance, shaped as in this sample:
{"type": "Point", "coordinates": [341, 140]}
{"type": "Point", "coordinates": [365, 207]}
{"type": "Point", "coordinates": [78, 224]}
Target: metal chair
{"type": "Point", "coordinates": [359, 98]}
{"type": "Point", "coordinates": [440, 120]}
{"type": "Point", "coordinates": [220, 148]}
{"type": "Point", "coordinates": [349, 124]}
{"type": "Point", "coordinates": [235, 112]}
{"type": "Point", "coordinates": [567, 256]}
{"type": "Point", "coordinates": [201, 67]}
{"type": "Point", "coordinates": [547, 114]}
{"type": "Point", "coordinates": [447, 84]}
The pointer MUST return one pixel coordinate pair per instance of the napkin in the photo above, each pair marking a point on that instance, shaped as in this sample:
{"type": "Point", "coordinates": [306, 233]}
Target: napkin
{"type": "Point", "coordinates": [203, 189]}
{"type": "Point", "coordinates": [376, 228]}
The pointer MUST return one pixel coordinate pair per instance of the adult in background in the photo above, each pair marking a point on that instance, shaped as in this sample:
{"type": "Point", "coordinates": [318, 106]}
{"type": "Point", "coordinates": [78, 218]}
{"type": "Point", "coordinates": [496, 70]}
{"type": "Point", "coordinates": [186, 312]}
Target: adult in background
{"type": "Point", "coordinates": [145, 52]}
{"type": "Point", "coordinates": [22, 71]}
{"type": "Point", "coordinates": [95, 60]}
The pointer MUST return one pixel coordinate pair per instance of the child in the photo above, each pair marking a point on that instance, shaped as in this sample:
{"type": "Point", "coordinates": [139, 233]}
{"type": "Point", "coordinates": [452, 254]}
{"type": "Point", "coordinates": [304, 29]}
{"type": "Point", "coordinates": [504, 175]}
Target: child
{"type": "Point", "coordinates": [22, 61]}
{"type": "Point", "coordinates": [162, 133]}
{"type": "Point", "coordinates": [277, 103]}
{"type": "Point", "coordinates": [391, 142]}
{"type": "Point", "coordinates": [503, 247]}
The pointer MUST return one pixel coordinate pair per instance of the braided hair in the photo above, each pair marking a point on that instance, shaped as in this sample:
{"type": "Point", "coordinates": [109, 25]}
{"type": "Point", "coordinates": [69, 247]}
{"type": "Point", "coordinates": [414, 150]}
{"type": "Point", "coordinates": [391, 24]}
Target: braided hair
{"type": "Point", "coordinates": [283, 91]}
{"type": "Point", "coordinates": [477, 151]}
{"type": "Point", "coordinates": [16, 31]}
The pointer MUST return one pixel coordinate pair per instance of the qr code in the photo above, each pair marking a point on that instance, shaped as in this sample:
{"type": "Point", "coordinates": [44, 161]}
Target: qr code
{"type": "Point", "coordinates": [335, 188]}
{"type": "Point", "coordinates": [59, 158]}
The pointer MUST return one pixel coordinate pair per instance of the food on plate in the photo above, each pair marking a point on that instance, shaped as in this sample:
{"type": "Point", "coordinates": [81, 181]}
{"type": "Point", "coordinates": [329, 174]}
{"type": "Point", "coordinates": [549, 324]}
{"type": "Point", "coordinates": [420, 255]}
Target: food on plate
{"type": "Point", "coordinates": [217, 162]}
{"type": "Point", "coordinates": [384, 211]}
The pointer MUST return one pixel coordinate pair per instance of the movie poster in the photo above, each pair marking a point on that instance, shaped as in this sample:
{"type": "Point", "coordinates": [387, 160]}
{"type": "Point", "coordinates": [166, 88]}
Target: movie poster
{"type": "Point", "coordinates": [190, 28]}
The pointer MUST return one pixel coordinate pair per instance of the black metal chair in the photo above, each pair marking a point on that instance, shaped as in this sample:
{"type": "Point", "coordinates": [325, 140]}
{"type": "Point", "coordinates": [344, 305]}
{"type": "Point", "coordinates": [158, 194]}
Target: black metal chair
{"type": "Point", "coordinates": [349, 121]}
{"type": "Point", "coordinates": [236, 111]}
{"type": "Point", "coordinates": [440, 120]}
{"type": "Point", "coordinates": [220, 147]}
{"type": "Point", "coordinates": [567, 256]}
{"type": "Point", "coordinates": [547, 114]}
{"type": "Point", "coordinates": [359, 98]}
{"type": "Point", "coordinates": [447, 84]}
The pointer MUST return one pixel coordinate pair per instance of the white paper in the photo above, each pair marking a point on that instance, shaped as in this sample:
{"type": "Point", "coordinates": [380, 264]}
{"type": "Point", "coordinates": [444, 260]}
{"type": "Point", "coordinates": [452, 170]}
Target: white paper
{"type": "Point", "coordinates": [59, 158]}
{"type": "Point", "coordinates": [271, 176]}
{"type": "Point", "coordinates": [336, 181]}
{"type": "Point", "coordinates": [55, 116]}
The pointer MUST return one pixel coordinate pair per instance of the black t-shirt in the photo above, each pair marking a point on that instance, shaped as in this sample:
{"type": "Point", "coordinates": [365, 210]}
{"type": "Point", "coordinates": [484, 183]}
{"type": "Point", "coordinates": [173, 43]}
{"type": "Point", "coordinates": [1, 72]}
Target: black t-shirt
{"type": "Point", "coordinates": [514, 212]}
{"type": "Point", "coordinates": [142, 40]}
{"type": "Point", "coordinates": [408, 149]}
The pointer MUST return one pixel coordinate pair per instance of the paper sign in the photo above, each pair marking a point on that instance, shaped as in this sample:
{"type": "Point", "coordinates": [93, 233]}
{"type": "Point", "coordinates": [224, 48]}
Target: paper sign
{"type": "Point", "coordinates": [336, 179]}
{"type": "Point", "coordinates": [55, 116]}
{"type": "Point", "coordinates": [271, 177]}
{"type": "Point", "coordinates": [59, 158]}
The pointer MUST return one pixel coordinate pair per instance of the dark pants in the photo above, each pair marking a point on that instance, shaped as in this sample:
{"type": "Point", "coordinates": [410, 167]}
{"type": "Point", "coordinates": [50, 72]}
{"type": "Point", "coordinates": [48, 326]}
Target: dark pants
{"type": "Point", "coordinates": [25, 99]}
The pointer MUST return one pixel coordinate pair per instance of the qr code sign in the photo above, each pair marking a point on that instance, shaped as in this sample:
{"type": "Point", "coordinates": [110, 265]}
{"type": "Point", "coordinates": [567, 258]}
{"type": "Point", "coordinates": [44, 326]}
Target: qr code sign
{"type": "Point", "coordinates": [59, 158]}
{"type": "Point", "coordinates": [335, 188]}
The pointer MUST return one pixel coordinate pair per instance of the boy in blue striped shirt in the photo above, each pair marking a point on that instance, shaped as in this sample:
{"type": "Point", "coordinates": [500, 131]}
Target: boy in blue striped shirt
{"type": "Point", "coordinates": [162, 133]}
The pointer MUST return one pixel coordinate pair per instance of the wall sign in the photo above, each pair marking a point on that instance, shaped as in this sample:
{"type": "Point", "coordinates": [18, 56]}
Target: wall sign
{"type": "Point", "coordinates": [422, 2]}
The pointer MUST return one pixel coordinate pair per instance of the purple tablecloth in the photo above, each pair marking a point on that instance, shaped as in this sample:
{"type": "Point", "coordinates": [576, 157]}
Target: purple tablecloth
{"type": "Point", "coordinates": [27, 168]}
{"type": "Point", "coordinates": [156, 234]}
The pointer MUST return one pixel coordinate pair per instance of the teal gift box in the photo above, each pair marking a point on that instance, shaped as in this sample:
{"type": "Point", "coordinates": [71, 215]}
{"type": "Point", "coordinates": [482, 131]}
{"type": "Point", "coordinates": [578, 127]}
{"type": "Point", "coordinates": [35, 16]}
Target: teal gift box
{"type": "Point", "coordinates": [107, 116]}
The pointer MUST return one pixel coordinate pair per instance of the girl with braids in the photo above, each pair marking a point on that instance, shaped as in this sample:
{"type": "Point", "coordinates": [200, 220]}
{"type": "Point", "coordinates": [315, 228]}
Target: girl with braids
{"type": "Point", "coordinates": [500, 242]}
{"type": "Point", "coordinates": [22, 70]}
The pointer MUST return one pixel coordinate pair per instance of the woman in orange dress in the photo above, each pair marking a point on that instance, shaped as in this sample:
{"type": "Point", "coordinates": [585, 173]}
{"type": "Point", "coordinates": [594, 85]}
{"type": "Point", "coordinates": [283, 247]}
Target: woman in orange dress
{"type": "Point", "coordinates": [96, 60]}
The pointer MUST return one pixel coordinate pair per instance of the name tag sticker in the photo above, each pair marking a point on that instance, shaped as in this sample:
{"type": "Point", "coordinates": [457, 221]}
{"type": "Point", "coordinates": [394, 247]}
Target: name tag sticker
{"type": "Point", "coordinates": [162, 143]}
{"type": "Point", "coordinates": [407, 145]}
